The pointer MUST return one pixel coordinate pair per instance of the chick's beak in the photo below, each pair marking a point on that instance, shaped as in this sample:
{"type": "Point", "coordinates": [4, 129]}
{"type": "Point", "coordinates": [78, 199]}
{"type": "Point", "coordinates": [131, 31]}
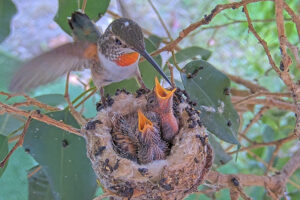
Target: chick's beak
{"type": "Point", "coordinates": [143, 122]}
{"type": "Point", "coordinates": [145, 54]}
{"type": "Point", "coordinates": [162, 94]}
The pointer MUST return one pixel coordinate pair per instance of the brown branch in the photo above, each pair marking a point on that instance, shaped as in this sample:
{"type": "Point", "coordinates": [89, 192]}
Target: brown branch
{"type": "Point", "coordinates": [34, 171]}
{"type": "Point", "coordinates": [275, 153]}
{"type": "Point", "coordinates": [248, 84]}
{"type": "Point", "coordinates": [276, 171]}
{"type": "Point", "coordinates": [171, 69]}
{"type": "Point", "coordinates": [274, 184]}
{"type": "Point", "coordinates": [19, 143]}
{"type": "Point", "coordinates": [295, 52]}
{"type": "Point", "coordinates": [262, 93]}
{"type": "Point", "coordinates": [280, 104]}
{"type": "Point", "coordinates": [286, 60]}
{"type": "Point", "coordinates": [255, 120]}
{"type": "Point", "coordinates": [262, 42]}
{"type": "Point", "coordinates": [29, 102]}
{"type": "Point", "coordinates": [14, 138]}
{"type": "Point", "coordinates": [83, 5]}
{"type": "Point", "coordinates": [295, 17]}
{"type": "Point", "coordinates": [206, 20]}
{"type": "Point", "coordinates": [264, 144]}
{"type": "Point", "coordinates": [284, 75]}
{"type": "Point", "coordinates": [40, 117]}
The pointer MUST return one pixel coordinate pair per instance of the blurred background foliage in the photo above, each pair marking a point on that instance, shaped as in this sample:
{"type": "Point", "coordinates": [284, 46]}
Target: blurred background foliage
{"type": "Point", "coordinates": [225, 43]}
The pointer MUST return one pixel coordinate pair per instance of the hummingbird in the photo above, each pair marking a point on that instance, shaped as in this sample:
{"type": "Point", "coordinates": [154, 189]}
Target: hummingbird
{"type": "Point", "coordinates": [112, 56]}
{"type": "Point", "coordinates": [161, 102]}
{"type": "Point", "coordinates": [124, 139]}
{"type": "Point", "coordinates": [151, 147]}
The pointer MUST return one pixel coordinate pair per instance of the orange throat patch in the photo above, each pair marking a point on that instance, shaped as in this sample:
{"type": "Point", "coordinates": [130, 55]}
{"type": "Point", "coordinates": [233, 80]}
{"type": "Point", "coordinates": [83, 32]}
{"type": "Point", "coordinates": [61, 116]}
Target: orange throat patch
{"type": "Point", "coordinates": [127, 59]}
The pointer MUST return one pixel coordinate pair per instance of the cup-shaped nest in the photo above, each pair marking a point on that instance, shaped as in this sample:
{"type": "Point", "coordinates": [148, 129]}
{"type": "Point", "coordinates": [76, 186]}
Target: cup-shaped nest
{"type": "Point", "coordinates": [187, 162]}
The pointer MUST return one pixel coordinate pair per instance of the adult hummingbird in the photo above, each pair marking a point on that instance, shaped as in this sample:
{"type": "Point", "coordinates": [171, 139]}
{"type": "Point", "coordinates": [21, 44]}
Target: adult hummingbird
{"type": "Point", "coordinates": [112, 56]}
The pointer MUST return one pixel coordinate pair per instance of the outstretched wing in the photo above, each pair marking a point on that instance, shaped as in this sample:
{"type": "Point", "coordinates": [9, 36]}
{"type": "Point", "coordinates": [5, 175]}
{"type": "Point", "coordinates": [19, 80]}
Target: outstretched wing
{"type": "Point", "coordinates": [53, 64]}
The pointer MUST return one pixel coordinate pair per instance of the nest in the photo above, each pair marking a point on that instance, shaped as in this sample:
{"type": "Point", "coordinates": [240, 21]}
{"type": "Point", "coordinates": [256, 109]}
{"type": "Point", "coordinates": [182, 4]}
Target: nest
{"type": "Point", "coordinates": [188, 161]}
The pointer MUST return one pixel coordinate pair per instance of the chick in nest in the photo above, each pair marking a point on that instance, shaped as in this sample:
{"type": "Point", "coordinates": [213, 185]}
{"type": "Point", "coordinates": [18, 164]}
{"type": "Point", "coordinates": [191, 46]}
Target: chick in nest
{"type": "Point", "coordinates": [151, 147]}
{"type": "Point", "coordinates": [124, 138]}
{"type": "Point", "coordinates": [161, 102]}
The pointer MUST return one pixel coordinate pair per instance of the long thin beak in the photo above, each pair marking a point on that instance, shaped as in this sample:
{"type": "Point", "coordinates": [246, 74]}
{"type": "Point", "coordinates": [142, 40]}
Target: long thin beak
{"type": "Point", "coordinates": [155, 65]}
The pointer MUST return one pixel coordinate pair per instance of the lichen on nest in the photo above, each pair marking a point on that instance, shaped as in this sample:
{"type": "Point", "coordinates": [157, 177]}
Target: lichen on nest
{"type": "Point", "coordinates": [156, 165]}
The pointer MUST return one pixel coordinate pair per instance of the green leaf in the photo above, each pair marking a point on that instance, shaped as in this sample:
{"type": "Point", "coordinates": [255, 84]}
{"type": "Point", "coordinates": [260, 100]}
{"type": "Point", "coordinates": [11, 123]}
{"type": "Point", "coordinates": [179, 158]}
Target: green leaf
{"type": "Point", "coordinates": [220, 156]}
{"type": "Point", "coordinates": [94, 9]}
{"type": "Point", "coordinates": [7, 11]}
{"type": "Point", "coordinates": [3, 151]}
{"type": "Point", "coordinates": [155, 40]}
{"type": "Point", "coordinates": [206, 87]}
{"type": "Point", "coordinates": [8, 124]}
{"type": "Point", "coordinates": [51, 99]}
{"type": "Point", "coordinates": [190, 53]}
{"type": "Point", "coordinates": [147, 70]}
{"type": "Point", "coordinates": [62, 155]}
{"type": "Point", "coordinates": [39, 186]}
{"type": "Point", "coordinates": [8, 65]}
{"type": "Point", "coordinates": [14, 182]}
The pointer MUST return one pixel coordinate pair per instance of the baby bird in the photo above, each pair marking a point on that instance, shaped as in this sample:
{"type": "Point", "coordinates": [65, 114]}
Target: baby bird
{"type": "Point", "coordinates": [151, 147]}
{"type": "Point", "coordinates": [124, 138]}
{"type": "Point", "coordinates": [161, 102]}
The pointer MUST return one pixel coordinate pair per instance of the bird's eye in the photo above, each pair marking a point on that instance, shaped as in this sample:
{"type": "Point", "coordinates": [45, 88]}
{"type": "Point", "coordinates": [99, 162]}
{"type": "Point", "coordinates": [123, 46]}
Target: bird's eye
{"type": "Point", "coordinates": [151, 100]}
{"type": "Point", "coordinates": [118, 42]}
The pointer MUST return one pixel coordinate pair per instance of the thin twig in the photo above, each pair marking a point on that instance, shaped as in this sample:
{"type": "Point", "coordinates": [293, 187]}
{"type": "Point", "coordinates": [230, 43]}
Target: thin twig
{"type": "Point", "coordinates": [248, 84]}
{"type": "Point", "coordinates": [206, 20]}
{"type": "Point", "coordinates": [29, 102]}
{"type": "Point", "coordinates": [272, 102]}
{"type": "Point", "coordinates": [295, 17]}
{"type": "Point", "coordinates": [83, 5]}
{"type": "Point", "coordinates": [264, 144]}
{"type": "Point", "coordinates": [161, 20]}
{"type": "Point", "coordinates": [34, 171]}
{"type": "Point", "coordinates": [86, 98]}
{"type": "Point", "coordinates": [19, 143]}
{"type": "Point", "coordinates": [275, 153]}
{"type": "Point", "coordinates": [295, 52]}
{"type": "Point", "coordinates": [175, 62]}
{"type": "Point", "coordinates": [284, 75]}
{"type": "Point", "coordinates": [274, 170]}
{"type": "Point", "coordinates": [262, 93]}
{"type": "Point", "coordinates": [75, 114]}
{"type": "Point", "coordinates": [40, 117]}
{"type": "Point", "coordinates": [171, 73]}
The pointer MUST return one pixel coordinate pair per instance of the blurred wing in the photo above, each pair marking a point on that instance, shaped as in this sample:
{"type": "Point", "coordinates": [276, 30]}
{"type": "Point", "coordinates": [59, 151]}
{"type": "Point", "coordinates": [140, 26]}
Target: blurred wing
{"type": "Point", "coordinates": [53, 64]}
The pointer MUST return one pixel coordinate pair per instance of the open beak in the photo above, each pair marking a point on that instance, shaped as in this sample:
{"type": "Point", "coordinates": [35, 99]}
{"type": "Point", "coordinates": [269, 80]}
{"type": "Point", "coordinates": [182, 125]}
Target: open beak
{"type": "Point", "coordinates": [143, 122]}
{"type": "Point", "coordinates": [162, 93]}
{"type": "Point", "coordinates": [145, 54]}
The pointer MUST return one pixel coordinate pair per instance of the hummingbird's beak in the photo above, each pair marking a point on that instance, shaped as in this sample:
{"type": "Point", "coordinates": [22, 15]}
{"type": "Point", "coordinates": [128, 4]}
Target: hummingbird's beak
{"type": "Point", "coordinates": [145, 54]}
